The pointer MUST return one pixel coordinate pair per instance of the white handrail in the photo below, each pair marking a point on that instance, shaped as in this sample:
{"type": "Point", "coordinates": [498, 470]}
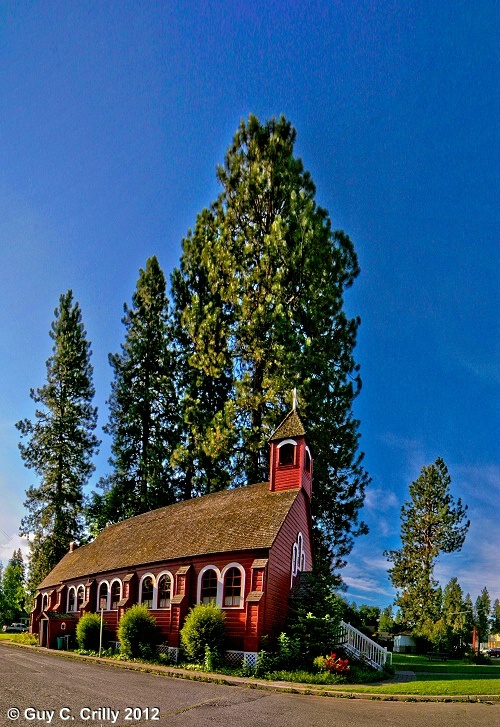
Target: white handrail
{"type": "Point", "coordinates": [362, 647]}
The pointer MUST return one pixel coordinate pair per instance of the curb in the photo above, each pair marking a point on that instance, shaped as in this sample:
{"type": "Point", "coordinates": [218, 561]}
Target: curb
{"type": "Point", "coordinates": [319, 690]}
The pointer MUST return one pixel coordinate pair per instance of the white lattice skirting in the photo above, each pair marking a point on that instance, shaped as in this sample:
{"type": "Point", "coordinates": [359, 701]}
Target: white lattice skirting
{"type": "Point", "coordinates": [238, 658]}
{"type": "Point", "coordinates": [171, 651]}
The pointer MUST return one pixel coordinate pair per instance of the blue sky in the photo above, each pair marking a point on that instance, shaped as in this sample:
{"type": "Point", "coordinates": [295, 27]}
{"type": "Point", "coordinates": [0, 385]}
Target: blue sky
{"type": "Point", "coordinates": [113, 117]}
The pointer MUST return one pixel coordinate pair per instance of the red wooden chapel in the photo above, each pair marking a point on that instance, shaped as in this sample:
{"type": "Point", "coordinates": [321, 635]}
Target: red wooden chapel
{"type": "Point", "coordinates": [240, 548]}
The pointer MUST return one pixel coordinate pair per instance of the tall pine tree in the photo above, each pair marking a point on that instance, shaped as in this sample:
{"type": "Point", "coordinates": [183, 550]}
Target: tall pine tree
{"type": "Point", "coordinates": [455, 616]}
{"type": "Point", "coordinates": [13, 594]}
{"type": "Point", "coordinates": [482, 609]}
{"type": "Point", "coordinates": [495, 617]}
{"type": "Point", "coordinates": [259, 297]}
{"type": "Point", "coordinates": [60, 443]}
{"type": "Point", "coordinates": [2, 602]}
{"type": "Point", "coordinates": [143, 413]}
{"type": "Point", "coordinates": [431, 523]}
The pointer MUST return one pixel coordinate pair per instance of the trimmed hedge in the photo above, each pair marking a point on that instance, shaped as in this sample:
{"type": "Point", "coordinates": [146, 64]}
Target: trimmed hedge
{"type": "Point", "coordinates": [204, 632]}
{"type": "Point", "coordinates": [87, 631]}
{"type": "Point", "coordinates": [138, 633]}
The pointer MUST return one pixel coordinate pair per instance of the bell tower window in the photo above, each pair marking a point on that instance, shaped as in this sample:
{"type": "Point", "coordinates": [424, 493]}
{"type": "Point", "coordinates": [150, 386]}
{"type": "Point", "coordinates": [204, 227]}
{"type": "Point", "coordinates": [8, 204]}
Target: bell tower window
{"type": "Point", "coordinates": [286, 454]}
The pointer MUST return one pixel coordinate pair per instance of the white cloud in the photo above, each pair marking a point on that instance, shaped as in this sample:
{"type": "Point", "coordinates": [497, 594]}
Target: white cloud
{"type": "Point", "coordinates": [479, 483]}
{"type": "Point", "coordinates": [10, 543]}
{"type": "Point", "coordinates": [476, 565]}
{"type": "Point", "coordinates": [366, 579]}
{"type": "Point", "coordinates": [486, 369]}
{"type": "Point", "coordinates": [380, 499]}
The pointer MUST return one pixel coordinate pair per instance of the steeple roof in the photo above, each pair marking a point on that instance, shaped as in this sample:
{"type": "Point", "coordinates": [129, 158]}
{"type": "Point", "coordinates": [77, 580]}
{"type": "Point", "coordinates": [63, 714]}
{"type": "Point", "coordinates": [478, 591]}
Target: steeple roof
{"type": "Point", "coordinates": [291, 426]}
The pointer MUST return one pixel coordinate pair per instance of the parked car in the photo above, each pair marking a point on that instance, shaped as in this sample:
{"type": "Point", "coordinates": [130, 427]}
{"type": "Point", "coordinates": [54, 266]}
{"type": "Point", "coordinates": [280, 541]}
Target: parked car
{"type": "Point", "coordinates": [14, 629]}
{"type": "Point", "coordinates": [494, 652]}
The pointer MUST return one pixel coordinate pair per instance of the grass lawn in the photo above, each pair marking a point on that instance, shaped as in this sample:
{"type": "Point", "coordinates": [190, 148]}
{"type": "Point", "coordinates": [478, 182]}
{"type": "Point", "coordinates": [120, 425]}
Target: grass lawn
{"type": "Point", "coordinates": [427, 684]}
{"type": "Point", "coordinates": [5, 637]}
{"type": "Point", "coordinates": [419, 663]}
{"type": "Point", "coordinates": [438, 678]}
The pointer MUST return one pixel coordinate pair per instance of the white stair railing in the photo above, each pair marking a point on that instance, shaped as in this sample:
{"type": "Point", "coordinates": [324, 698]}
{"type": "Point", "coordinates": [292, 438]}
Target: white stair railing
{"type": "Point", "coordinates": [362, 647]}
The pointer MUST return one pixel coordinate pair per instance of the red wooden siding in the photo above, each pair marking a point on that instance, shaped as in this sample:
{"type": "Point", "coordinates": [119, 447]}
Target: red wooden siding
{"type": "Point", "coordinates": [291, 476]}
{"type": "Point", "coordinates": [280, 564]}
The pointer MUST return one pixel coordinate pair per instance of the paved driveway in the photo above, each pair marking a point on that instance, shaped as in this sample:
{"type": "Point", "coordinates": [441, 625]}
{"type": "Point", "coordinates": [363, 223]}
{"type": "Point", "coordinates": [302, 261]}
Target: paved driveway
{"type": "Point", "coordinates": [50, 689]}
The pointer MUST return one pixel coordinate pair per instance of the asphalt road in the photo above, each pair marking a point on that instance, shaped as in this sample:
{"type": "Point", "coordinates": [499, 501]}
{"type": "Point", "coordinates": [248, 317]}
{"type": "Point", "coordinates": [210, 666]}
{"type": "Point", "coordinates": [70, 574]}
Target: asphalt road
{"type": "Point", "coordinates": [48, 689]}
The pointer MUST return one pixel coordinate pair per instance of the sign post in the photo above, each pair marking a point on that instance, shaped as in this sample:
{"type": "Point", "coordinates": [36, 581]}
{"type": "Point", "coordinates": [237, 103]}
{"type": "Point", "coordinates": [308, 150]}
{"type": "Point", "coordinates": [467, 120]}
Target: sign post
{"type": "Point", "coordinates": [102, 604]}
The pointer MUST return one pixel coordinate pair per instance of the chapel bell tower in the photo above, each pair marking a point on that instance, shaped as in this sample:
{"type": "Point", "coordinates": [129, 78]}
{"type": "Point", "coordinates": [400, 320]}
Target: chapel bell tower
{"type": "Point", "coordinates": [291, 465]}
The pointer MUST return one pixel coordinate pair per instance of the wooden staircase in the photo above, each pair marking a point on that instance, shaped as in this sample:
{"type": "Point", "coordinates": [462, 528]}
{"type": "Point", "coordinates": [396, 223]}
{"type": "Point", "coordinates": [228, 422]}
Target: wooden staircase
{"type": "Point", "coordinates": [362, 647]}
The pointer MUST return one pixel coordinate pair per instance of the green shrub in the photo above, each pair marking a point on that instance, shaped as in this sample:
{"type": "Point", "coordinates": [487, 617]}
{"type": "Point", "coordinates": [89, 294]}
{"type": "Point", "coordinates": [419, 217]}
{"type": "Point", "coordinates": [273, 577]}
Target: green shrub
{"type": "Point", "coordinates": [88, 630]}
{"type": "Point", "coordinates": [137, 633]}
{"type": "Point", "coordinates": [305, 677]}
{"type": "Point", "coordinates": [204, 627]}
{"type": "Point", "coordinates": [25, 638]}
{"type": "Point", "coordinates": [475, 658]}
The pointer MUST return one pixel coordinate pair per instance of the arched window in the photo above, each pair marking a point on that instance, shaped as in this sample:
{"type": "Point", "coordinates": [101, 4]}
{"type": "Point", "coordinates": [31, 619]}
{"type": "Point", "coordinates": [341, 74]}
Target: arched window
{"type": "Point", "coordinates": [45, 602]}
{"type": "Point", "coordinates": [232, 587]}
{"type": "Point", "coordinates": [209, 587]}
{"type": "Point", "coordinates": [286, 453]}
{"type": "Point", "coordinates": [298, 556]}
{"type": "Point", "coordinates": [71, 599]}
{"type": "Point", "coordinates": [164, 591]}
{"type": "Point", "coordinates": [147, 591]}
{"type": "Point", "coordinates": [307, 463]}
{"type": "Point", "coordinates": [102, 596]}
{"type": "Point", "coordinates": [80, 597]}
{"type": "Point", "coordinates": [116, 590]}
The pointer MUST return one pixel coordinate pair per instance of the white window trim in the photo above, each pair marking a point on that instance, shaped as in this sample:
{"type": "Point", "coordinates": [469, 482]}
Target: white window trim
{"type": "Point", "coordinates": [310, 460]}
{"type": "Point", "coordinates": [115, 580]}
{"type": "Point", "coordinates": [98, 606]}
{"type": "Point", "coordinates": [287, 441]}
{"type": "Point", "coordinates": [155, 590]}
{"type": "Point", "coordinates": [298, 557]}
{"type": "Point", "coordinates": [148, 575]}
{"type": "Point", "coordinates": [82, 586]}
{"type": "Point", "coordinates": [282, 444]}
{"type": "Point", "coordinates": [218, 599]}
{"type": "Point", "coordinates": [223, 575]}
{"type": "Point", "coordinates": [71, 588]}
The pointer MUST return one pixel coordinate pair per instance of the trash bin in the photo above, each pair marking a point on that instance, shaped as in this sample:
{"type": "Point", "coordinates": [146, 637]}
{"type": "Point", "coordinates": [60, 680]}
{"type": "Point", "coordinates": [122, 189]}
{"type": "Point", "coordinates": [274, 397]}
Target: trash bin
{"type": "Point", "coordinates": [61, 643]}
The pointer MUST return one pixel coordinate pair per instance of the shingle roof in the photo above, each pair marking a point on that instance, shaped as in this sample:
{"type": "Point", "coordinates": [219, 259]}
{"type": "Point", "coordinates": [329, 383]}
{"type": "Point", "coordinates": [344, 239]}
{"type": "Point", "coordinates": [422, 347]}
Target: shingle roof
{"type": "Point", "coordinates": [241, 519]}
{"type": "Point", "coordinates": [291, 426]}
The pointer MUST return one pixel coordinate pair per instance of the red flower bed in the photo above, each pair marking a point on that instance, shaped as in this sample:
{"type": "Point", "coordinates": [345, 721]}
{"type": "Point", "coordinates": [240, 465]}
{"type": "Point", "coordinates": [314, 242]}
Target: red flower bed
{"type": "Point", "coordinates": [336, 665]}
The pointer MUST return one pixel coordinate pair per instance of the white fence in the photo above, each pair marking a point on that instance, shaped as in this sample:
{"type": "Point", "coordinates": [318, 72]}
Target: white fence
{"type": "Point", "coordinates": [362, 647]}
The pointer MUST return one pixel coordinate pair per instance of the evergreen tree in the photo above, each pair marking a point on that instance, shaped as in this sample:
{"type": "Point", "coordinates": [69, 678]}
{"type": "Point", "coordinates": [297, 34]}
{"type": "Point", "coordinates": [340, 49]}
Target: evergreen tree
{"type": "Point", "coordinates": [369, 616]}
{"type": "Point", "coordinates": [469, 618]}
{"type": "Point", "coordinates": [143, 411]}
{"type": "Point", "coordinates": [202, 457]}
{"type": "Point", "coordinates": [482, 609]}
{"type": "Point", "coordinates": [495, 617]}
{"type": "Point", "coordinates": [60, 443]}
{"type": "Point", "coordinates": [13, 591]}
{"type": "Point", "coordinates": [259, 296]}
{"type": "Point", "coordinates": [2, 603]}
{"type": "Point", "coordinates": [386, 621]}
{"type": "Point", "coordinates": [431, 524]}
{"type": "Point", "coordinates": [455, 616]}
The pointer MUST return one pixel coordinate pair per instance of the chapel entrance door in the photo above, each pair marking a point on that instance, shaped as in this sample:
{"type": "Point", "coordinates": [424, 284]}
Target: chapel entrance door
{"type": "Point", "coordinates": [44, 627]}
